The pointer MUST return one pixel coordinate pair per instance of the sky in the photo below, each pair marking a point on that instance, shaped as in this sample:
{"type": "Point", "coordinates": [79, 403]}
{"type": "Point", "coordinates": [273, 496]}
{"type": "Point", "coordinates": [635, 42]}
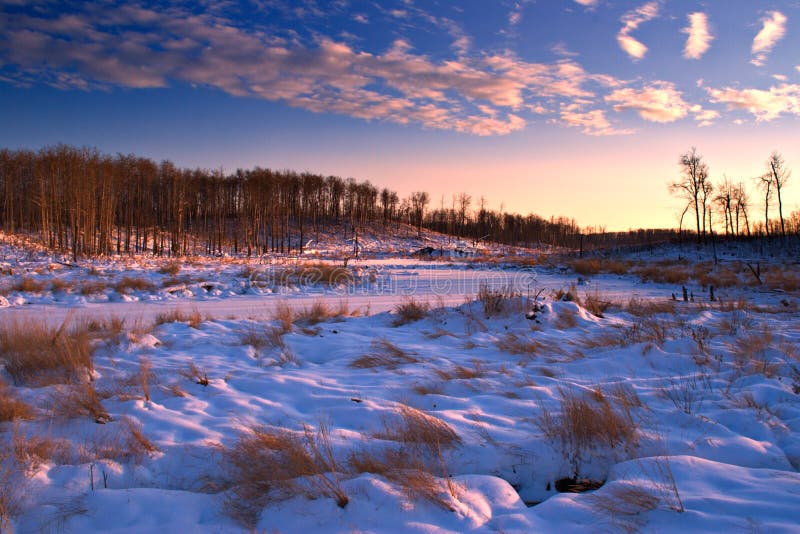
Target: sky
{"type": "Point", "coordinates": [578, 108]}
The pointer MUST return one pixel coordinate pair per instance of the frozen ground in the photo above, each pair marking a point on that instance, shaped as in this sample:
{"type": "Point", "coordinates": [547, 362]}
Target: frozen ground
{"type": "Point", "coordinates": [461, 421]}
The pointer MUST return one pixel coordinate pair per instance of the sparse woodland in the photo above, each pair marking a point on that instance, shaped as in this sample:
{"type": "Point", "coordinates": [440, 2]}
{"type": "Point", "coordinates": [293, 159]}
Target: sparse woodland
{"type": "Point", "coordinates": [85, 203]}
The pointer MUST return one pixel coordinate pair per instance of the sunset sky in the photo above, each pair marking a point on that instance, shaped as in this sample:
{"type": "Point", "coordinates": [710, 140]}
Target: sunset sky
{"type": "Point", "coordinates": [576, 107]}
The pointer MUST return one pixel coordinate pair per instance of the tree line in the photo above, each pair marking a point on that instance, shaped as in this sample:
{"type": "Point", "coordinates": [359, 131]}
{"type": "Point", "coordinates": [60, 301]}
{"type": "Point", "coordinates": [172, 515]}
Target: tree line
{"type": "Point", "coordinates": [86, 203]}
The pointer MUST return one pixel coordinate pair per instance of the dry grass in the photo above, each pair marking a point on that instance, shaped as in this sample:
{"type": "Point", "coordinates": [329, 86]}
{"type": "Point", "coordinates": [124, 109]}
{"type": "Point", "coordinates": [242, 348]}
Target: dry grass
{"type": "Point", "coordinates": [309, 274]}
{"type": "Point", "coordinates": [266, 338]}
{"type": "Point", "coordinates": [667, 274]}
{"type": "Point", "coordinates": [590, 266]}
{"type": "Point", "coordinates": [596, 303]}
{"type": "Point", "coordinates": [384, 354]}
{"type": "Point", "coordinates": [516, 344]}
{"type": "Point", "coordinates": [93, 287]}
{"type": "Point", "coordinates": [586, 423]}
{"type": "Point", "coordinates": [193, 373]}
{"type": "Point", "coordinates": [648, 308]}
{"type": "Point", "coordinates": [751, 352]}
{"type": "Point", "coordinates": [172, 268]}
{"type": "Point", "coordinates": [145, 375]}
{"type": "Point", "coordinates": [28, 285]}
{"type": "Point", "coordinates": [79, 401]}
{"type": "Point", "coordinates": [60, 285]}
{"type": "Point", "coordinates": [266, 464]}
{"type": "Point", "coordinates": [11, 407]}
{"type": "Point", "coordinates": [408, 471]}
{"type": "Point", "coordinates": [129, 283]}
{"type": "Point", "coordinates": [623, 504]}
{"type": "Point", "coordinates": [284, 314]}
{"type": "Point", "coordinates": [318, 312]}
{"type": "Point", "coordinates": [137, 444]}
{"type": "Point", "coordinates": [409, 311]}
{"type": "Point", "coordinates": [37, 354]}
{"type": "Point", "coordinates": [413, 426]}
{"type": "Point", "coordinates": [460, 372]}
{"type": "Point", "coordinates": [499, 301]}
{"type": "Point", "coordinates": [194, 318]}
{"type": "Point", "coordinates": [567, 318]}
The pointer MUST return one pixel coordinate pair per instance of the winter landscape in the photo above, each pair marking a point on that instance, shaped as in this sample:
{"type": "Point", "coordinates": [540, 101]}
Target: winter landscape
{"type": "Point", "coordinates": [535, 305]}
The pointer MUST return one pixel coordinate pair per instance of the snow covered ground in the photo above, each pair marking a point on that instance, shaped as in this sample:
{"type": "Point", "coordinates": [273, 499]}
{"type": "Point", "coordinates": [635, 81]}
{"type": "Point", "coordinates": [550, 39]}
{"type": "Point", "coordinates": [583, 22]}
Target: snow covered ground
{"type": "Point", "coordinates": [330, 408]}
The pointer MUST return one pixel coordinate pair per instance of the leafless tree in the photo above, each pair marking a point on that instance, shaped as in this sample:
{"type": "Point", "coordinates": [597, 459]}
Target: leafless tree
{"type": "Point", "coordinates": [693, 186]}
{"type": "Point", "coordinates": [779, 175]}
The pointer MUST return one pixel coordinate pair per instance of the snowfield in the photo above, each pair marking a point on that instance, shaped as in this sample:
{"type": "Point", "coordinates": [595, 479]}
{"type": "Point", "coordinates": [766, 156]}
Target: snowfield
{"type": "Point", "coordinates": [414, 397]}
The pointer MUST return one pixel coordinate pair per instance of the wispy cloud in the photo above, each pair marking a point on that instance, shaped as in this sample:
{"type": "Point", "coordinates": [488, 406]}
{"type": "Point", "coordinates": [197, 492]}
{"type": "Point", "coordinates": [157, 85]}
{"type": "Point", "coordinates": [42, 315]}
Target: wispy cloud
{"type": "Point", "coordinates": [592, 122]}
{"type": "Point", "coordinates": [630, 22]}
{"type": "Point", "coordinates": [772, 30]}
{"type": "Point", "coordinates": [657, 102]}
{"type": "Point", "coordinates": [765, 105]}
{"type": "Point", "coordinates": [587, 3]}
{"type": "Point", "coordinates": [700, 37]}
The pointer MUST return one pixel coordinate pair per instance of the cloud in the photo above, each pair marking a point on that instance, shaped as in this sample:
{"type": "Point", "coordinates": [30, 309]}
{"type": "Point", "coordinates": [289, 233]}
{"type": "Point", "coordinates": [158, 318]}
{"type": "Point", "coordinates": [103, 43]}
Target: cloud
{"type": "Point", "coordinates": [657, 102]}
{"type": "Point", "coordinates": [592, 122]}
{"type": "Point", "coordinates": [587, 3]}
{"type": "Point", "coordinates": [765, 105]}
{"type": "Point", "coordinates": [630, 22]}
{"type": "Point", "coordinates": [700, 37]}
{"type": "Point", "coordinates": [772, 30]}
{"type": "Point", "coordinates": [704, 117]}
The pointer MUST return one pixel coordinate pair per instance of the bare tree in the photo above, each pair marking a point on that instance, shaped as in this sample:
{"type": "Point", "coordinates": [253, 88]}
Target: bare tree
{"type": "Point", "coordinates": [693, 185]}
{"type": "Point", "coordinates": [765, 184]}
{"type": "Point", "coordinates": [779, 175]}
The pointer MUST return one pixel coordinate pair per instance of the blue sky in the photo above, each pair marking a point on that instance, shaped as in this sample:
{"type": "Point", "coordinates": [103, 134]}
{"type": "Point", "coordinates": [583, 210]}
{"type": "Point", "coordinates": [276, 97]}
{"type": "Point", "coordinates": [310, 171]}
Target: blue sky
{"type": "Point", "coordinates": [578, 108]}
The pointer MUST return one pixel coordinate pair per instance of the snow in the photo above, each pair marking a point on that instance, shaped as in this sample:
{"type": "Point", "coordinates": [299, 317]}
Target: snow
{"type": "Point", "coordinates": [717, 424]}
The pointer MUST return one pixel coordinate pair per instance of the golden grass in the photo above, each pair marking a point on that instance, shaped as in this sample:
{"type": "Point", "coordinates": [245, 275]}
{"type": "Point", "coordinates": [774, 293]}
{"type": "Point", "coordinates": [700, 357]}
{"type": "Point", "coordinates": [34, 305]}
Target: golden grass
{"type": "Point", "coordinates": [37, 354]}
{"type": "Point", "coordinates": [384, 354]}
{"type": "Point", "coordinates": [516, 344]}
{"type": "Point", "coordinates": [172, 268]}
{"type": "Point", "coordinates": [414, 426]}
{"type": "Point", "coordinates": [266, 464]}
{"type": "Point", "coordinates": [11, 407]}
{"type": "Point", "coordinates": [460, 372]}
{"type": "Point", "coordinates": [410, 472]}
{"type": "Point", "coordinates": [194, 318]}
{"type": "Point", "coordinates": [28, 285]}
{"type": "Point", "coordinates": [128, 283]}
{"type": "Point", "coordinates": [193, 373]}
{"type": "Point", "coordinates": [498, 301]}
{"type": "Point", "coordinates": [145, 375]}
{"type": "Point", "coordinates": [648, 308]}
{"type": "Point", "coordinates": [318, 312]}
{"type": "Point", "coordinates": [409, 311]}
{"type": "Point", "coordinates": [92, 287]}
{"type": "Point", "coordinates": [268, 337]}
{"type": "Point", "coordinates": [585, 423]}
{"type": "Point", "coordinates": [78, 401]}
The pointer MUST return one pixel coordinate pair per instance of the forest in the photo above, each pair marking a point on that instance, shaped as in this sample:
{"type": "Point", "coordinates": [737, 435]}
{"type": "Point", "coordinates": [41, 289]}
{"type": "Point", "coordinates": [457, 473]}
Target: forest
{"type": "Point", "coordinates": [85, 203]}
